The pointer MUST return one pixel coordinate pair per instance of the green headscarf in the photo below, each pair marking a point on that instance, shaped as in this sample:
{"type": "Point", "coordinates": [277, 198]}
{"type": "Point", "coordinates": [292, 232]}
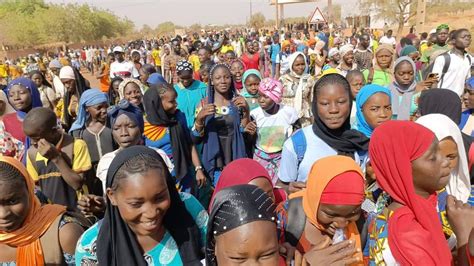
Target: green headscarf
{"type": "Point", "coordinates": [407, 50]}
{"type": "Point", "coordinates": [247, 73]}
{"type": "Point", "coordinates": [442, 27]}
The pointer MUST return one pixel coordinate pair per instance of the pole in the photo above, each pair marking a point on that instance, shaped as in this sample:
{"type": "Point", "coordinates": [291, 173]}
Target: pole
{"type": "Point", "coordinates": [277, 18]}
{"type": "Point", "coordinates": [250, 9]}
{"type": "Point", "coordinates": [329, 12]}
{"type": "Point", "coordinates": [420, 16]}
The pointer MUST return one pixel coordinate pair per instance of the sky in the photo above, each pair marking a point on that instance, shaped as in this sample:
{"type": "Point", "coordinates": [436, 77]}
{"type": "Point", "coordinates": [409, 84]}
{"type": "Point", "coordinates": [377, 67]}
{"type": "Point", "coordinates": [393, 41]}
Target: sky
{"type": "Point", "coordinates": [187, 12]}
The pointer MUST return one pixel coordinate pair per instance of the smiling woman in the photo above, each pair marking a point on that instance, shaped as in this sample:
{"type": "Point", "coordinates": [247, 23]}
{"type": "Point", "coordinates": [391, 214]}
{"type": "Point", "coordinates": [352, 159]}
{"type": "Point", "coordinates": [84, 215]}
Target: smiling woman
{"type": "Point", "coordinates": [147, 222]}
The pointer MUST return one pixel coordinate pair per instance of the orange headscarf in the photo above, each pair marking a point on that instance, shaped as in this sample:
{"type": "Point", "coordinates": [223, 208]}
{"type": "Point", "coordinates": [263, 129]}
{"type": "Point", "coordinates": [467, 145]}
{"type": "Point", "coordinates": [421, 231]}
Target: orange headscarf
{"type": "Point", "coordinates": [322, 172]}
{"type": "Point", "coordinates": [37, 222]}
{"type": "Point", "coordinates": [285, 44]}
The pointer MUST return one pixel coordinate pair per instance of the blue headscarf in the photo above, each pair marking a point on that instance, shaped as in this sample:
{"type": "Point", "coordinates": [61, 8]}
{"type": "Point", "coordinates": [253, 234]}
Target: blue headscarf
{"type": "Point", "coordinates": [89, 98]}
{"type": "Point", "coordinates": [155, 78]}
{"type": "Point", "coordinates": [211, 149]}
{"type": "Point", "coordinates": [364, 94]}
{"type": "Point", "coordinates": [128, 109]}
{"type": "Point", "coordinates": [247, 73]}
{"type": "Point", "coordinates": [31, 86]}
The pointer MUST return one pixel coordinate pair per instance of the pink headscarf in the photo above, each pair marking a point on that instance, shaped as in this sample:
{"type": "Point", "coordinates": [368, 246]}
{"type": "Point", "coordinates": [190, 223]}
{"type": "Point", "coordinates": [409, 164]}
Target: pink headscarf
{"type": "Point", "coordinates": [271, 88]}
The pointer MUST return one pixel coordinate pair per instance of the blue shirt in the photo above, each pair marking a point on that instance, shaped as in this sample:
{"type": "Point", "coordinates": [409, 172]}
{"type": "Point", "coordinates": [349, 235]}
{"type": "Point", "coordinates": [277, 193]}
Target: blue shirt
{"type": "Point", "coordinates": [316, 149]}
{"type": "Point", "coordinates": [274, 50]}
{"type": "Point", "coordinates": [190, 98]}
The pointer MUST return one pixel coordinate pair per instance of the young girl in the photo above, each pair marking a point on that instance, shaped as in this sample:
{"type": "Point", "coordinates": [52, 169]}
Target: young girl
{"type": "Point", "coordinates": [48, 95]}
{"type": "Point", "coordinates": [251, 80]}
{"type": "Point", "coordinates": [410, 168]}
{"type": "Point", "coordinates": [166, 129]}
{"type": "Point", "coordinates": [9, 146]}
{"type": "Point", "coordinates": [237, 68]}
{"type": "Point", "coordinates": [131, 90]}
{"type": "Point", "coordinates": [147, 222]}
{"type": "Point", "coordinates": [74, 85]}
{"type": "Point", "coordinates": [204, 71]}
{"type": "Point", "coordinates": [273, 123]}
{"type": "Point", "coordinates": [347, 59]}
{"type": "Point", "coordinates": [32, 234]}
{"type": "Point", "coordinates": [113, 92]}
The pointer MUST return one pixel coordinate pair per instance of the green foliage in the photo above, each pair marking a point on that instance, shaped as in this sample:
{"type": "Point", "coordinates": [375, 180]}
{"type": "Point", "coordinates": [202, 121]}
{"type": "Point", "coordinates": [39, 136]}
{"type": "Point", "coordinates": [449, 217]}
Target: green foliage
{"type": "Point", "coordinates": [257, 20]}
{"type": "Point", "coordinates": [165, 28]}
{"type": "Point", "coordinates": [32, 22]}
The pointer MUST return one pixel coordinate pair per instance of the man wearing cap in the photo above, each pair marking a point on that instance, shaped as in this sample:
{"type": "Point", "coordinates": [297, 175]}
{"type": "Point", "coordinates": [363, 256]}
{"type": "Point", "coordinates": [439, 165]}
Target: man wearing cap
{"type": "Point", "coordinates": [442, 32]}
{"type": "Point", "coordinates": [120, 68]}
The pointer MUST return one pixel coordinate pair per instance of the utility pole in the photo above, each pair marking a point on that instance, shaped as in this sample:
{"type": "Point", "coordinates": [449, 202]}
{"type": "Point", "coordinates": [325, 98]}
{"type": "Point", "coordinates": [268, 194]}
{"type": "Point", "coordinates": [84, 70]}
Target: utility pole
{"type": "Point", "coordinates": [420, 16]}
{"type": "Point", "coordinates": [329, 12]}
{"type": "Point", "coordinates": [250, 9]}
{"type": "Point", "coordinates": [277, 19]}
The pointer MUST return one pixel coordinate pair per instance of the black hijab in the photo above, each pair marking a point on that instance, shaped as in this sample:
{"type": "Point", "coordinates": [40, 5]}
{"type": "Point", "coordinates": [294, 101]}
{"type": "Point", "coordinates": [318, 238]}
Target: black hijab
{"type": "Point", "coordinates": [81, 86]}
{"type": "Point", "coordinates": [180, 141]}
{"type": "Point", "coordinates": [344, 140]}
{"type": "Point", "coordinates": [113, 95]}
{"type": "Point", "coordinates": [117, 244]}
{"type": "Point", "coordinates": [233, 207]}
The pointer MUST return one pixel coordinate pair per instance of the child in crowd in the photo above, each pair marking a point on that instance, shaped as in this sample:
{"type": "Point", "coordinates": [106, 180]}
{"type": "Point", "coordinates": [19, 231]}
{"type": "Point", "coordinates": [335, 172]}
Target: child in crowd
{"type": "Point", "coordinates": [273, 124]}
{"type": "Point", "coordinates": [250, 81]}
{"type": "Point", "coordinates": [356, 80]}
{"type": "Point", "coordinates": [56, 161]}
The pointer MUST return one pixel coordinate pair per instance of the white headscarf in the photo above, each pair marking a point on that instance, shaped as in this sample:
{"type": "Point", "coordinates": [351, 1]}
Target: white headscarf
{"type": "Point", "coordinates": [442, 126]}
{"type": "Point", "coordinates": [8, 108]}
{"type": "Point", "coordinates": [291, 61]}
{"type": "Point", "coordinates": [345, 49]}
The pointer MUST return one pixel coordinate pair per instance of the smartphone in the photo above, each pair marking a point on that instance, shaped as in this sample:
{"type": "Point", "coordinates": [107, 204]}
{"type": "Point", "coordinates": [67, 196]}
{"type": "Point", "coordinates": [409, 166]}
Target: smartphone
{"type": "Point", "coordinates": [432, 75]}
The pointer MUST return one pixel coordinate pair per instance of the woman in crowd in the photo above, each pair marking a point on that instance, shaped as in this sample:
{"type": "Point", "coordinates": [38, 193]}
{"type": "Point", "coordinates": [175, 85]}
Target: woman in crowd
{"type": "Point", "coordinates": [132, 91]}
{"type": "Point", "coordinates": [414, 54]}
{"type": "Point", "coordinates": [404, 89]}
{"type": "Point", "coordinates": [374, 107]}
{"type": "Point", "coordinates": [74, 85]}
{"type": "Point", "coordinates": [147, 222]}
{"type": "Point", "coordinates": [113, 92]}
{"type": "Point", "coordinates": [330, 134]}
{"type": "Point", "coordinates": [219, 123]}
{"type": "Point", "coordinates": [237, 213]}
{"type": "Point", "coordinates": [166, 129]}
{"type": "Point", "coordinates": [9, 146]}
{"type": "Point", "coordinates": [91, 126]}
{"type": "Point", "coordinates": [347, 59]}
{"type": "Point", "coordinates": [452, 147]}
{"type": "Point", "coordinates": [204, 71]}
{"type": "Point", "coordinates": [47, 93]}
{"type": "Point", "coordinates": [326, 211]}
{"type": "Point", "coordinates": [467, 117]}
{"type": "Point", "coordinates": [145, 72]}
{"type": "Point", "coordinates": [382, 72]}
{"type": "Point", "coordinates": [298, 87]}
{"type": "Point", "coordinates": [190, 92]}
{"type": "Point", "coordinates": [334, 57]}
{"type": "Point", "coordinates": [410, 168]}
{"type": "Point", "coordinates": [251, 81]}
{"type": "Point", "coordinates": [237, 68]}
{"type": "Point", "coordinates": [272, 124]}
{"type": "Point", "coordinates": [317, 58]}
{"type": "Point", "coordinates": [23, 96]}
{"type": "Point", "coordinates": [31, 233]}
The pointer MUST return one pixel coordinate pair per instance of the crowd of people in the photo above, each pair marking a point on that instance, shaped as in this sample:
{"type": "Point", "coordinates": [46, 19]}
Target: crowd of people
{"type": "Point", "coordinates": [242, 148]}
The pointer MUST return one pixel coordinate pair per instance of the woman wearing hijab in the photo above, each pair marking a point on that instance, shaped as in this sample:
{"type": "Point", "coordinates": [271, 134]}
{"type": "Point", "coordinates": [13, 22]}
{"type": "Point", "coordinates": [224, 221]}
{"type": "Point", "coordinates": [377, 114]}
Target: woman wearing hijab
{"type": "Point", "coordinates": [166, 129]}
{"type": "Point", "coordinates": [382, 72]}
{"type": "Point", "coordinates": [245, 171]}
{"type": "Point", "coordinates": [48, 95]}
{"type": "Point", "coordinates": [410, 168]}
{"type": "Point", "coordinates": [334, 57]}
{"type": "Point", "coordinates": [282, 59]}
{"type": "Point", "coordinates": [347, 59]}
{"type": "Point", "coordinates": [147, 222]}
{"type": "Point", "coordinates": [220, 121]}
{"type": "Point", "coordinates": [404, 89]}
{"type": "Point", "coordinates": [298, 87]}
{"type": "Point", "coordinates": [414, 54]}
{"type": "Point", "coordinates": [250, 82]}
{"type": "Point", "coordinates": [74, 85]}
{"type": "Point", "coordinates": [113, 92]}
{"type": "Point", "coordinates": [373, 103]}
{"type": "Point", "coordinates": [36, 234]}
{"type": "Point", "coordinates": [467, 117]}
{"type": "Point", "coordinates": [330, 134]}
{"type": "Point", "coordinates": [9, 146]}
{"type": "Point", "coordinates": [239, 212]}
{"type": "Point", "coordinates": [237, 68]}
{"type": "Point", "coordinates": [23, 96]}
{"type": "Point", "coordinates": [452, 147]}
{"type": "Point", "coordinates": [132, 91]}
{"type": "Point", "coordinates": [326, 211]}
{"type": "Point", "coordinates": [190, 91]}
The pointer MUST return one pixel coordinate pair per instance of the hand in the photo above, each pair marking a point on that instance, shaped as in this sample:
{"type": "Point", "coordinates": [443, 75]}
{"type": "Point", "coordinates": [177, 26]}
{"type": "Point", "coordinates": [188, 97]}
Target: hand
{"type": "Point", "coordinates": [200, 178]}
{"type": "Point", "coordinates": [461, 219]}
{"type": "Point", "coordinates": [207, 109]}
{"type": "Point", "coordinates": [287, 251]}
{"type": "Point", "coordinates": [241, 103]}
{"type": "Point", "coordinates": [251, 128]}
{"type": "Point", "coordinates": [296, 186]}
{"type": "Point", "coordinates": [47, 149]}
{"type": "Point", "coordinates": [335, 255]}
{"type": "Point", "coordinates": [91, 204]}
{"type": "Point", "coordinates": [429, 81]}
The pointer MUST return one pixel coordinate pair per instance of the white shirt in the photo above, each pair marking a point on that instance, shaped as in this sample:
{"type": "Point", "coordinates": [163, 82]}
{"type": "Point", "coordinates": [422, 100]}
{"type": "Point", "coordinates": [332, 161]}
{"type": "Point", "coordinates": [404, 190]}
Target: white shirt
{"type": "Point", "coordinates": [123, 69]}
{"type": "Point", "coordinates": [458, 72]}
{"type": "Point", "coordinates": [284, 63]}
{"type": "Point", "coordinates": [386, 40]}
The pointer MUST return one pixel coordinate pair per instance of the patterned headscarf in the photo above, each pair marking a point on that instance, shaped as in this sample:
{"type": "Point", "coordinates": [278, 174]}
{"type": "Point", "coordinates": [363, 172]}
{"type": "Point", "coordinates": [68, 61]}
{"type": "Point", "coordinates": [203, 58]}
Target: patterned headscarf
{"type": "Point", "coordinates": [183, 65]}
{"type": "Point", "coordinates": [271, 88]}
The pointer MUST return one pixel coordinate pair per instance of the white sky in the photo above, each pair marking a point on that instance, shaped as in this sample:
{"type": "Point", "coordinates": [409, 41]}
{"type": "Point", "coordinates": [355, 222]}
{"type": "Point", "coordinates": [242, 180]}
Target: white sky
{"type": "Point", "coordinates": [187, 12]}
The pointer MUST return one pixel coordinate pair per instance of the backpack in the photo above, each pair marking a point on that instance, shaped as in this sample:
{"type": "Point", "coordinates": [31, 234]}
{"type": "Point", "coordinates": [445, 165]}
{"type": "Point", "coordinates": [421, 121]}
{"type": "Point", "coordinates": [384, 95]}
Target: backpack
{"type": "Point", "coordinates": [447, 63]}
{"type": "Point", "coordinates": [299, 145]}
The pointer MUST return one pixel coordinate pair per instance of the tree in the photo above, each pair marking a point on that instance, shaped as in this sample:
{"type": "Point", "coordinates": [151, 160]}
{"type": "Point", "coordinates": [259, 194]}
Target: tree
{"type": "Point", "coordinates": [146, 30]}
{"type": "Point", "coordinates": [165, 28]}
{"type": "Point", "coordinates": [393, 11]}
{"type": "Point", "coordinates": [195, 27]}
{"type": "Point", "coordinates": [257, 21]}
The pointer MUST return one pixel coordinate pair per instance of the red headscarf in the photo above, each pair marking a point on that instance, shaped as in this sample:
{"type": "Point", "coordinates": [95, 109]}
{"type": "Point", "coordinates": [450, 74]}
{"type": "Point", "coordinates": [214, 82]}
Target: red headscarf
{"type": "Point", "coordinates": [240, 172]}
{"type": "Point", "coordinates": [414, 230]}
